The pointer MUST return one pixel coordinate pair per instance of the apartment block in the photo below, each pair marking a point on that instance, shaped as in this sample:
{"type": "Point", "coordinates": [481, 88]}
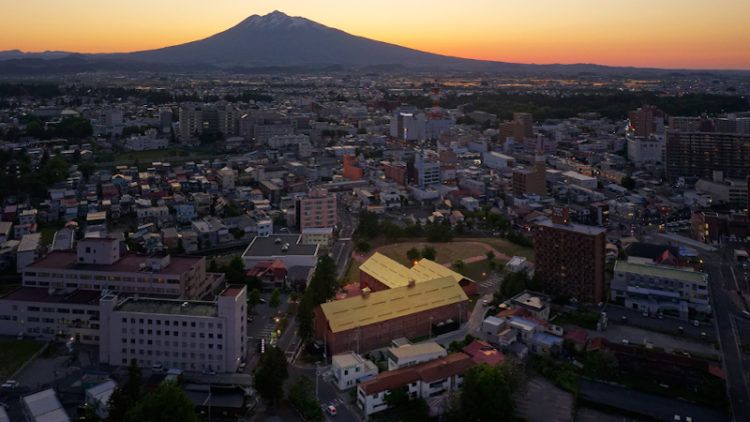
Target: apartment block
{"type": "Point", "coordinates": [699, 154]}
{"type": "Point", "coordinates": [100, 264]}
{"type": "Point", "coordinates": [569, 259]}
{"type": "Point", "coordinates": [190, 335]}
{"type": "Point", "coordinates": [317, 210]}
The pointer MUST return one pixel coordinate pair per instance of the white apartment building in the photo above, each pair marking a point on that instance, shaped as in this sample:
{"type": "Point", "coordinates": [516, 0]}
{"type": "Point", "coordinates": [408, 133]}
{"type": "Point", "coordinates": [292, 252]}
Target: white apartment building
{"type": "Point", "coordinates": [190, 335]}
{"type": "Point", "coordinates": [350, 368]}
{"type": "Point", "coordinates": [498, 161]}
{"type": "Point", "coordinates": [426, 380]}
{"type": "Point", "coordinates": [28, 250]}
{"type": "Point", "coordinates": [657, 288]}
{"type": "Point", "coordinates": [646, 150]}
{"type": "Point", "coordinates": [99, 264]}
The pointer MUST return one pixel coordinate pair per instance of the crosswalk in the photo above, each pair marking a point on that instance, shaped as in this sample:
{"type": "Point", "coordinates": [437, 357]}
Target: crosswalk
{"type": "Point", "coordinates": [490, 283]}
{"type": "Point", "coordinates": [266, 331]}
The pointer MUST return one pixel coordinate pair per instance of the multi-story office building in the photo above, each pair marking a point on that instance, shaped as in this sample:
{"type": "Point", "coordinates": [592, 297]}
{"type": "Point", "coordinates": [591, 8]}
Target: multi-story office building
{"type": "Point", "coordinates": [653, 288]}
{"type": "Point", "coordinates": [191, 121]}
{"type": "Point", "coordinates": [317, 210]}
{"type": "Point", "coordinates": [646, 121]}
{"type": "Point", "coordinates": [569, 258]}
{"type": "Point", "coordinates": [99, 264]}
{"type": "Point", "coordinates": [427, 170]}
{"type": "Point", "coordinates": [531, 181]}
{"type": "Point", "coordinates": [699, 154]}
{"type": "Point", "coordinates": [525, 124]}
{"type": "Point", "coordinates": [191, 335]}
{"type": "Point", "coordinates": [51, 314]}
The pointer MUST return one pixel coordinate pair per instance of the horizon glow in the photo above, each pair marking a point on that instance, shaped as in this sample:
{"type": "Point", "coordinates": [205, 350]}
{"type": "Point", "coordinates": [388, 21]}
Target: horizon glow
{"type": "Point", "coordinates": [669, 33]}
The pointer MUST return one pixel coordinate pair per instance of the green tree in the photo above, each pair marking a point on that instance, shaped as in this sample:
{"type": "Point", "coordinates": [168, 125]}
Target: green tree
{"type": "Point", "coordinates": [275, 298]}
{"type": "Point", "coordinates": [486, 395]}
{"type": "Point", "coordinates": [459, 265]}
{"type": "Point", "coordinates": [323, 286]}
{"type": "Point", "coordinates": [513, 284]}
{"type": "Point", "coordinates": [253, 298]}
{"type": "Point", "coordinates": [167, 404]}
{"type": "Point", "coordinates": [439, 232]}
{"type": "Point", "coordinates": [429, 252]}
{"type": "Point", "coordinates": [628, 182]}
{"type": "Point", "coordinates": [302, 397]}
{"type": "Point", "coordinates": [407, 408]}
{"type": "Point", "coordinates": [235, 271]}
{"type": "Point", "coordinates": [363, 246]}
{"type": "Point", "coordinates": [270, 375]}
{"type": "Point", "coordinates": [413, 255]}
{"type": "Point", "coordinates": [125, 395]}
{"type": "Point", "coordinates": [369, 226]}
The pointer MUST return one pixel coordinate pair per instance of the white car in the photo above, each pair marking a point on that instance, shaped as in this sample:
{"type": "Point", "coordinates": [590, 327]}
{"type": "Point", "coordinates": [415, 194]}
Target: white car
{"type": "Point", "coordinates": [9, 385]}
{"type": "Point", "coordinates": [331, 409]}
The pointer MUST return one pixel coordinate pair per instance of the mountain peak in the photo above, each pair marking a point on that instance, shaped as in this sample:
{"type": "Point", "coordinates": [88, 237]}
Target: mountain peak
{"type": "Point", "coordinates": [275, 20]}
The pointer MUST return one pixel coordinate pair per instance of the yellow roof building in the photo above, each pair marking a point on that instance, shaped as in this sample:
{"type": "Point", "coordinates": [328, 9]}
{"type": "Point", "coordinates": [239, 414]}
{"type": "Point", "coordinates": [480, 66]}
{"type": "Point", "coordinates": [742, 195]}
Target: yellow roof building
{"type": "Point", "coordinates": [392, 274]}
{"type": "Point", "coordinates": [371, 308]}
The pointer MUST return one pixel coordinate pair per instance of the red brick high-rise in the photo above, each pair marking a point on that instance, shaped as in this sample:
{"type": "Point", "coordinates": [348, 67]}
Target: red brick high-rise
{"type": "Point", "coordinates": [569, 258]}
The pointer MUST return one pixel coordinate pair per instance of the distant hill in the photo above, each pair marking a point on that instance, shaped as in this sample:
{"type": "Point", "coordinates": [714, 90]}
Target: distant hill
{"type": "Point", "coordinates": [277, 40]}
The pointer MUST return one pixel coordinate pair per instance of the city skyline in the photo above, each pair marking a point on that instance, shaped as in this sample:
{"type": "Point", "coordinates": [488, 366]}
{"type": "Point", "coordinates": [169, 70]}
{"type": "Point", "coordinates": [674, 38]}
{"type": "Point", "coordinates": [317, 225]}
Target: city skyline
{"type": "Point", "coordinates": [670, 34]}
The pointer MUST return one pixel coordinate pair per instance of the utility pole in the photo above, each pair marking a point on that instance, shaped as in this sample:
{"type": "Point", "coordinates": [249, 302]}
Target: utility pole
{"type": "Point", "coordinates": [317, 366]}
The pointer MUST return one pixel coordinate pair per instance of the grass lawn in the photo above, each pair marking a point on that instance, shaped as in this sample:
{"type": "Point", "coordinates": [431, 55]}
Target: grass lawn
{"type": "Point", "coordinates": [48, 234]}
{"type": "Point", "coordinates": [506, 247]}
{"type": "Point", "coordinates": [477, 271]}
{"type": "Point", "coordinates": [13, 354]}
{"type": "Point", "coordinates": [446, 252]}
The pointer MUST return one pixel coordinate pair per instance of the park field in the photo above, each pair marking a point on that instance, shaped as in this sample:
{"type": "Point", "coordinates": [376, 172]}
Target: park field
{"type": "Point", "coordinates": [13, 354]}
{"type": "Point", "coordinates": [449, 252]}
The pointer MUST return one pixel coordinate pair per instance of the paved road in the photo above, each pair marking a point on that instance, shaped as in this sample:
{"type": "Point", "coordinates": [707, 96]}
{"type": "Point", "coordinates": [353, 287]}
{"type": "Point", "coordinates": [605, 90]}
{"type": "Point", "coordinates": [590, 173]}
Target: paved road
{"type": "Point", "coordinates": [342, 249]}
{"type": "Point", "coordinates": [327, 392]}
{"type": "Point", "coordinates": [721, 280]}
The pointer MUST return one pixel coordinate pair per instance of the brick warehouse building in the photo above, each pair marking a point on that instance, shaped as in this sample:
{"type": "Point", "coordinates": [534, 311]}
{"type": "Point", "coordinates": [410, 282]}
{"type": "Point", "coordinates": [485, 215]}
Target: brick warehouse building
{"type": "Point", "coordinates": [372, 319]}
{"type": "Point", "coordinates": [569, 259]}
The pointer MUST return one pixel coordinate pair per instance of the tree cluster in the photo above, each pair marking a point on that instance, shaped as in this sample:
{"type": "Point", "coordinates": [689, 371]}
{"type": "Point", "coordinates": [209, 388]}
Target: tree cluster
{"type": "Point", "coordinates": [323, 286]}
{"type": "Point", "coordinates": [486, 394]}
{"type": "Point", "coordinates": [270, 375]}
{"type": "Point", "coordinates": [427, 252]}
{"type": "Point", "coordinates": [130, 403]}
{"type": "Point", "coordinates": [301, 396]}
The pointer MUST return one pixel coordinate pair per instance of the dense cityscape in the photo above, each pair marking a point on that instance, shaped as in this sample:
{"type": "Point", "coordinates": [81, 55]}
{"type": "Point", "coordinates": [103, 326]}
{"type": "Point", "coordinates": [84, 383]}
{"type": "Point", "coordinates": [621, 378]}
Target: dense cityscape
{"type": "Point", "coordinates": [373, 244]}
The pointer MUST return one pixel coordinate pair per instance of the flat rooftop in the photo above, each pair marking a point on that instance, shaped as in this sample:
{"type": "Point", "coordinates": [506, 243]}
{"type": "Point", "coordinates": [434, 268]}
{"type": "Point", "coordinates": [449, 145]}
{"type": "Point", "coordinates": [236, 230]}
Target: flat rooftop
{"type": "Point", "coordinates": [411, 350]}
{"type": "Point", "coordinates": [273, 245]}
{"type": "Point", "coordinates": [573, 227]}
{"type": "Point", "coordinates": [42, 295]}
{"type": "Point", "coordinates": [661, 271]}
{"type": "Point", "coordinates": [168, 307]}
{"type": "Point", "coordinates": [129, 263]}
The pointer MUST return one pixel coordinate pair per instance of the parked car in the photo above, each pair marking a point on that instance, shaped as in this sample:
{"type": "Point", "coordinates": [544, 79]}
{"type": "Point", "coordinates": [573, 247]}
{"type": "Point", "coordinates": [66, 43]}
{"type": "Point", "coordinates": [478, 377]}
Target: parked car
{"type": "Point", "coordinates": [696, 323]}
{"type": "Point", "coordinates": [331, 409]}
{"type": "Point", "coordinates": [9, 385]}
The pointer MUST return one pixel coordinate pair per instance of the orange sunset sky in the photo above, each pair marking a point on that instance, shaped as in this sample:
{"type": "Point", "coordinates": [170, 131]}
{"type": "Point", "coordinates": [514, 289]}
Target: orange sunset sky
{"type": "Point", "coordinates": [659, 33]}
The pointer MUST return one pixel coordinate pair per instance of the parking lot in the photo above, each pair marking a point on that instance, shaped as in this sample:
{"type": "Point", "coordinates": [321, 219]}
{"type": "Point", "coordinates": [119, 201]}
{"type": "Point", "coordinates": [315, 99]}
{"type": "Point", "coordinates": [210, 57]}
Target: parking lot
{"type": "Point", "coordinates": [667, 324]}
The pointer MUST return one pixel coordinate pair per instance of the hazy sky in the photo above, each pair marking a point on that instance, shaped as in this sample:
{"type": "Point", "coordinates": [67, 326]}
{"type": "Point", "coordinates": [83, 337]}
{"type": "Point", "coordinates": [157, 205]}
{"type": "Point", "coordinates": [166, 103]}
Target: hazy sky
{"type": "Point", "coordinates": [663, 33]}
